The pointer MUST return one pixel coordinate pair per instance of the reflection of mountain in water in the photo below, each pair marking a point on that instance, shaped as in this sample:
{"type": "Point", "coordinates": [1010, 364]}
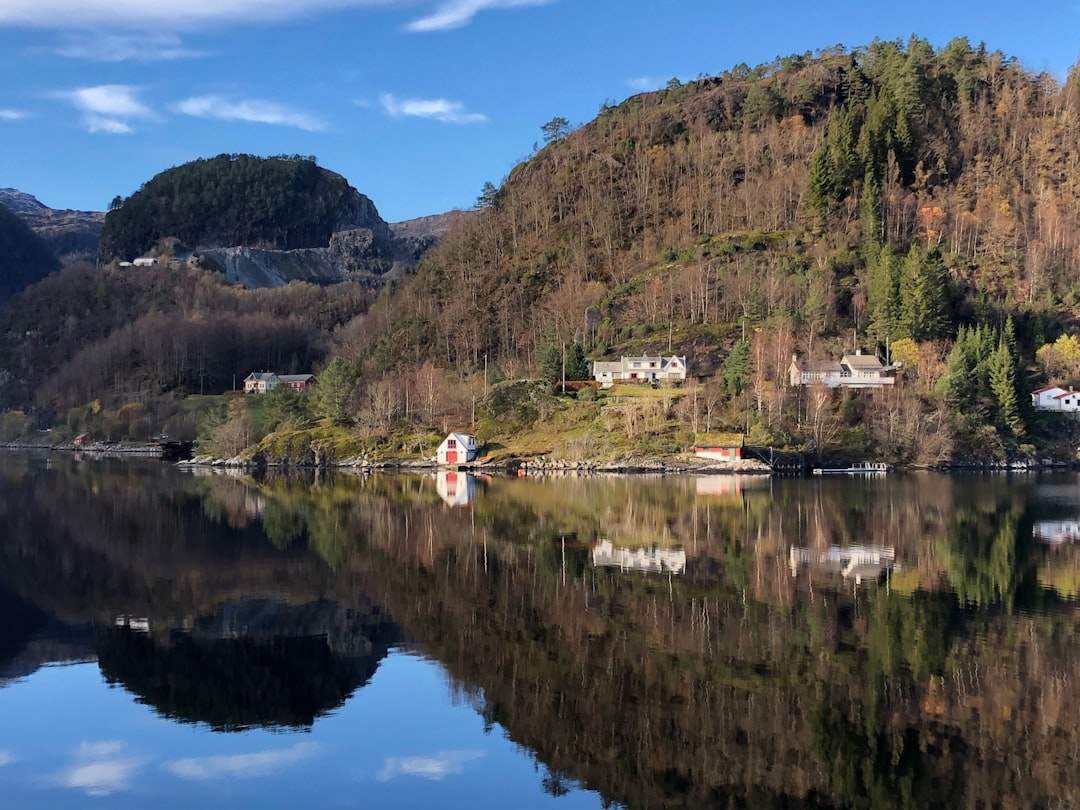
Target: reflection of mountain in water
{"type": "Point", "coordinates": [256, 663]}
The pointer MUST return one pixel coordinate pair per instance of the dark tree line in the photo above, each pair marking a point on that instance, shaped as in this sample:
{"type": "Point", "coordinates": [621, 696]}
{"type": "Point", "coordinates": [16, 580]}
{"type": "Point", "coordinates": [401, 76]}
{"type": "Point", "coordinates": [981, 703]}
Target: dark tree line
{"type": "Point", "coordinates": [283, 203]}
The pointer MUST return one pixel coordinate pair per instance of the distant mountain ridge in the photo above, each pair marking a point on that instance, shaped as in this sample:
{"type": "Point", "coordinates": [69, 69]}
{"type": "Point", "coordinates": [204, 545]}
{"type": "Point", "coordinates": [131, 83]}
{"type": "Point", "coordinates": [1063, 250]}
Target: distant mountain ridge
{"type": "Point", "coordinates": [70, 235]}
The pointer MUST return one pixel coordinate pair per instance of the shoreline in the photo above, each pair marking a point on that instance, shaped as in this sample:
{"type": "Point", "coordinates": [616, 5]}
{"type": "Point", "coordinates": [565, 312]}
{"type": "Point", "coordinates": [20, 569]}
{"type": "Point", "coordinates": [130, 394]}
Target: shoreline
{"type": "Point", "coordinates": [538, 466]}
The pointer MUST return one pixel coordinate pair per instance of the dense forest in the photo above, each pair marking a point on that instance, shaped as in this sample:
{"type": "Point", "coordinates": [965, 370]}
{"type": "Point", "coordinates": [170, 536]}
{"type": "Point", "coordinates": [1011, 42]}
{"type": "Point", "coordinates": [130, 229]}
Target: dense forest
{"type": "Point", "coordinates": [284, 203]}
{"type": "Point", "coordinates": [921, 204]}
{"type": "Point", "coordinates": [24, 258]}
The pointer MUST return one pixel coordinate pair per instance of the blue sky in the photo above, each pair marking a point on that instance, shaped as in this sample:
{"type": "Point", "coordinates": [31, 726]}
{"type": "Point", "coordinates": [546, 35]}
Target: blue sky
{"type": "Point", "coordinates": [416, 102]}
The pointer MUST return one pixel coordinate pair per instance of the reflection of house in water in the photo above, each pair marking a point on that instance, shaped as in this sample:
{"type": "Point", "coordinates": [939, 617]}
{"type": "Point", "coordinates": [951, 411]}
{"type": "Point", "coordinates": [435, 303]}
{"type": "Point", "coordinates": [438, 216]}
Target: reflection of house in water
{"type": "Point", "coordinates": [1057, 531]}
{"type": "Point", "coordinates": [140, 624]}
{"type": "Point", "coordinates": [728, 485]}
{"type": "Point", "coordinates": [456, 488]}
{"type": "Point", "coordinates": [651, 559]}
{"type": "Point", "coordinates": [854, 562]}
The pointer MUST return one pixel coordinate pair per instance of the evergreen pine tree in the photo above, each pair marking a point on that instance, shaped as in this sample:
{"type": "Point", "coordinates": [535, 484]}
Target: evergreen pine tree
{"type": "Point", "coordinates": [1002, 373]}
{"type": "Point", "coordinates": [737, 368]}
{"type": "Point", "coordinates": [577, 365]}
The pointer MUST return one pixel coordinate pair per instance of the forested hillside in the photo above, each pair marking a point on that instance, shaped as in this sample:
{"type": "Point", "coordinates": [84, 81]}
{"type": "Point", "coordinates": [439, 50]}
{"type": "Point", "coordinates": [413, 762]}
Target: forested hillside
{"type": "Point", "coordinates": [283, 203]}
{"type": "Point", "coordinates": [889, 195]}
{"type": "Point", "coordinates": [24, 258]}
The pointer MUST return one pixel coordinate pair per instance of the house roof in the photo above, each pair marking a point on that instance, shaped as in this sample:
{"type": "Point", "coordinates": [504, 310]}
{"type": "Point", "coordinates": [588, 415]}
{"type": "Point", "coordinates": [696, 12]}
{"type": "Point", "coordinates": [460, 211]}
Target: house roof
{"type": "Point", "coordinates": [1066, 393]}
{"type": "Point", "coordinates": [465, 438]}
{"type": "Point", "coordinates": [719, 439]}
{"type": "Point", "coordinates": [1046, 388]}
{"type": "Point", "coordinates": [602, 366]}
{"type": "Point", "coordinates": [260, 376]}
{"type": "Point", "coordinates": [820, 366]}
{"type": "Point", "coordinates": [862, 362]}
{"type": "Point", "coordinates": [288, 378]}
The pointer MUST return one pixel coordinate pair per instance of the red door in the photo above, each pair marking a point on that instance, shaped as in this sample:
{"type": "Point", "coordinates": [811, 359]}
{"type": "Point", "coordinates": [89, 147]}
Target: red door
{"type": "Point", "coordinates": [451, 456]}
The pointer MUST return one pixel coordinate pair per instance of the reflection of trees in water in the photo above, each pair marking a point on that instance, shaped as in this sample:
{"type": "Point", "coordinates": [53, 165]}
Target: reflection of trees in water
{"type": "Point", "coordinates": [734, 684]}
{"type": "Point", "coordinates": [236, 683]}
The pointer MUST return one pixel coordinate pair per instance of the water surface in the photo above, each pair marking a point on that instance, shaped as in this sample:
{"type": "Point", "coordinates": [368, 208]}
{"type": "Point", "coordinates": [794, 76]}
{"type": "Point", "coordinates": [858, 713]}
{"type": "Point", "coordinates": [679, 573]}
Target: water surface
{"type": "Point", "coordinates": [175, 639]}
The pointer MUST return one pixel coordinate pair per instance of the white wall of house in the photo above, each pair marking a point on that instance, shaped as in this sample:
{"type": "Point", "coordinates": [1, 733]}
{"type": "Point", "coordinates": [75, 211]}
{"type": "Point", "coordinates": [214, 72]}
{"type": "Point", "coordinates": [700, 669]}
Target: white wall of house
{"type": "Point", "coordinates": [456, 448]}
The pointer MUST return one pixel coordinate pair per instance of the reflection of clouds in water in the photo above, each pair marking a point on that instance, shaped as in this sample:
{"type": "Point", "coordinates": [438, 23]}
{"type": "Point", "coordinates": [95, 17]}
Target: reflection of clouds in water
{"type": "Point", "coordinates": [240, 766]}
{"type": "Point", "coordinates": [436, 767]}
{"type": "Point", "coordinates": [6, 758]}
{"type": "Point", "coordinates": [98, 769]}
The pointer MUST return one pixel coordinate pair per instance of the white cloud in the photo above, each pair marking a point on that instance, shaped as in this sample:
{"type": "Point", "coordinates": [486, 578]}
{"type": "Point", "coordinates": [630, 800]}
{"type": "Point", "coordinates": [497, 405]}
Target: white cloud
{"type": "Point", "coordinates": [643, 84]}
{"type": "Point", "coordinates": [114, 47]}
{"type": "Point", "coordinates": [439, 109]}
{"type": "Point", "coordinates": [13, 115]}
{"type": "Point", "coordinates": [436, 767]}
{"type": "Point", "coordinates": [251, 110]}
{"type": "Point", "coordinates": [240, 766]}
{"type": "Point", "coordinates": [457, 13]}
{"type": "Point", "coordinates": [99, 771]}
{"type": "Point", "coordinates": [178, 15]}
{"type": "Point", "coordinates": [107, 107]}
{"type": "Point", "coordinates": [118, 100]}
{"type": "Point", "coordinates": [109, 126]}
{"type": "Point", "coordinates": [172, 14]}
{"type": "Point", "coordinates": [6, 758]}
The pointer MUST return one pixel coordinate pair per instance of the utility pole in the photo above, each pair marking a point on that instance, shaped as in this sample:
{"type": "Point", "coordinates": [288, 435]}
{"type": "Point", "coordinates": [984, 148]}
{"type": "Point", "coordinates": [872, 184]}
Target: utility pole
{"type": "Point", "coordinates": [564, 368]}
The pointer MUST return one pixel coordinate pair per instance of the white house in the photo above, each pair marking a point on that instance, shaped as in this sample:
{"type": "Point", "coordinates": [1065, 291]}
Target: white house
{"type": "Point", "coordinates": [1056, 398]}
{"type": "Point", "coordinates": [852, 371]}
{"type": "Point", "coordinates": [145, 261]}
{"type": "Point", "coordinates": [645, 369]}
{"type": "Point", "coordinates": [260, 382]}
{"type": "Point", "coordinates": [456, 448]}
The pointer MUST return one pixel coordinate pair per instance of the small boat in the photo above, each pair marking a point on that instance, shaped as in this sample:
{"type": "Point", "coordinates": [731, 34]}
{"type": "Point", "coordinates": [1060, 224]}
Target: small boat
{"type": "Point", "coordinates": [859, 468]}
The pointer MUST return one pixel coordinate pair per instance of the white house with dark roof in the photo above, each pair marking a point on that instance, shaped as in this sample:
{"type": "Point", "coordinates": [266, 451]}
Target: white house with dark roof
{"type": "Point", "coordinates": [856, 370]}
{"type": "Point", "coordinates": [643, 369]}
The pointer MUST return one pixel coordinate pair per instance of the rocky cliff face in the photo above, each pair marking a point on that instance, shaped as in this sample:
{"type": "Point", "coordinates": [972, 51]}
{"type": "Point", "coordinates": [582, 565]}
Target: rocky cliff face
{"type": "Point", "coordinates": [71, 235]}
{"type": "Point", "coordinates": [364, 249]}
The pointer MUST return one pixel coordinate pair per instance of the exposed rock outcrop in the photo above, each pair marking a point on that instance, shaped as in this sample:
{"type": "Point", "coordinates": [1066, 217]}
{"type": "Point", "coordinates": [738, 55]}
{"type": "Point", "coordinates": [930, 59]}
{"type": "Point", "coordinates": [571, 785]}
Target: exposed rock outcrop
{"type": "Point", "coordinates": [70, 235]}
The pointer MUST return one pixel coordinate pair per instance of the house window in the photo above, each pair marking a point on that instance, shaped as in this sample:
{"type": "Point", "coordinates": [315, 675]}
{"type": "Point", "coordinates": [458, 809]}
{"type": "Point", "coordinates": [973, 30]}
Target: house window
{"type": "Point", "coordinates": [451, 444]}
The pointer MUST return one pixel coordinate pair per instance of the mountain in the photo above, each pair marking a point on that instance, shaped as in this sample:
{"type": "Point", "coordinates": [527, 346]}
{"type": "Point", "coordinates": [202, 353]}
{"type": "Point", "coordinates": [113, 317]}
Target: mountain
{"type": "Point", "coordinates": [261, 221]}
{"type": "Point", "coordinates": [70, 235]}
{"type": "Point", "coordinates": [24, 257]}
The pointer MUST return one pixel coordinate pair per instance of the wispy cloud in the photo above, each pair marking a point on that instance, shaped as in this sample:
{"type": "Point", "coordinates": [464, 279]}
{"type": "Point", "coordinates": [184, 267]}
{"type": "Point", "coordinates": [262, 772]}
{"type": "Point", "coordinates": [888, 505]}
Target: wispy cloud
{"type": "Point", "coordinates": [175, 14]}
{"type": "Point", "coordinates": [254, 111]}
{"type": "Point", "coordinates": [100, 770]}
{"type": "Point", "coordinates": [457, 13]}
{"type": "Point", "coordinates": [240, 766]}
{"type": "Point", "coordinates": [439, 109]}
{"type": "Point", "coordinates": [435, 767]}
{"type": "Point", "coordinates": [114, 47]}
{"type": "Point", "coordinates": [6, 758]}
{"type": "Point", "coordinates": [644, 83]}
{"type": "Point", "coordinates": [13, 115]}
{"type": "Point", "coordinates": [108, 108]}
{"type": "Point", "coordinates": [180, 15]}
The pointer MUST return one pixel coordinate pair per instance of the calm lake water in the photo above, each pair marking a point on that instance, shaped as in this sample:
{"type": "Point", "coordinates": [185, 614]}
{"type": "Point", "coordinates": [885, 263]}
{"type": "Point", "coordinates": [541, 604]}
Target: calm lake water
{"type": "Point", "coordinates": [177, 639]}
